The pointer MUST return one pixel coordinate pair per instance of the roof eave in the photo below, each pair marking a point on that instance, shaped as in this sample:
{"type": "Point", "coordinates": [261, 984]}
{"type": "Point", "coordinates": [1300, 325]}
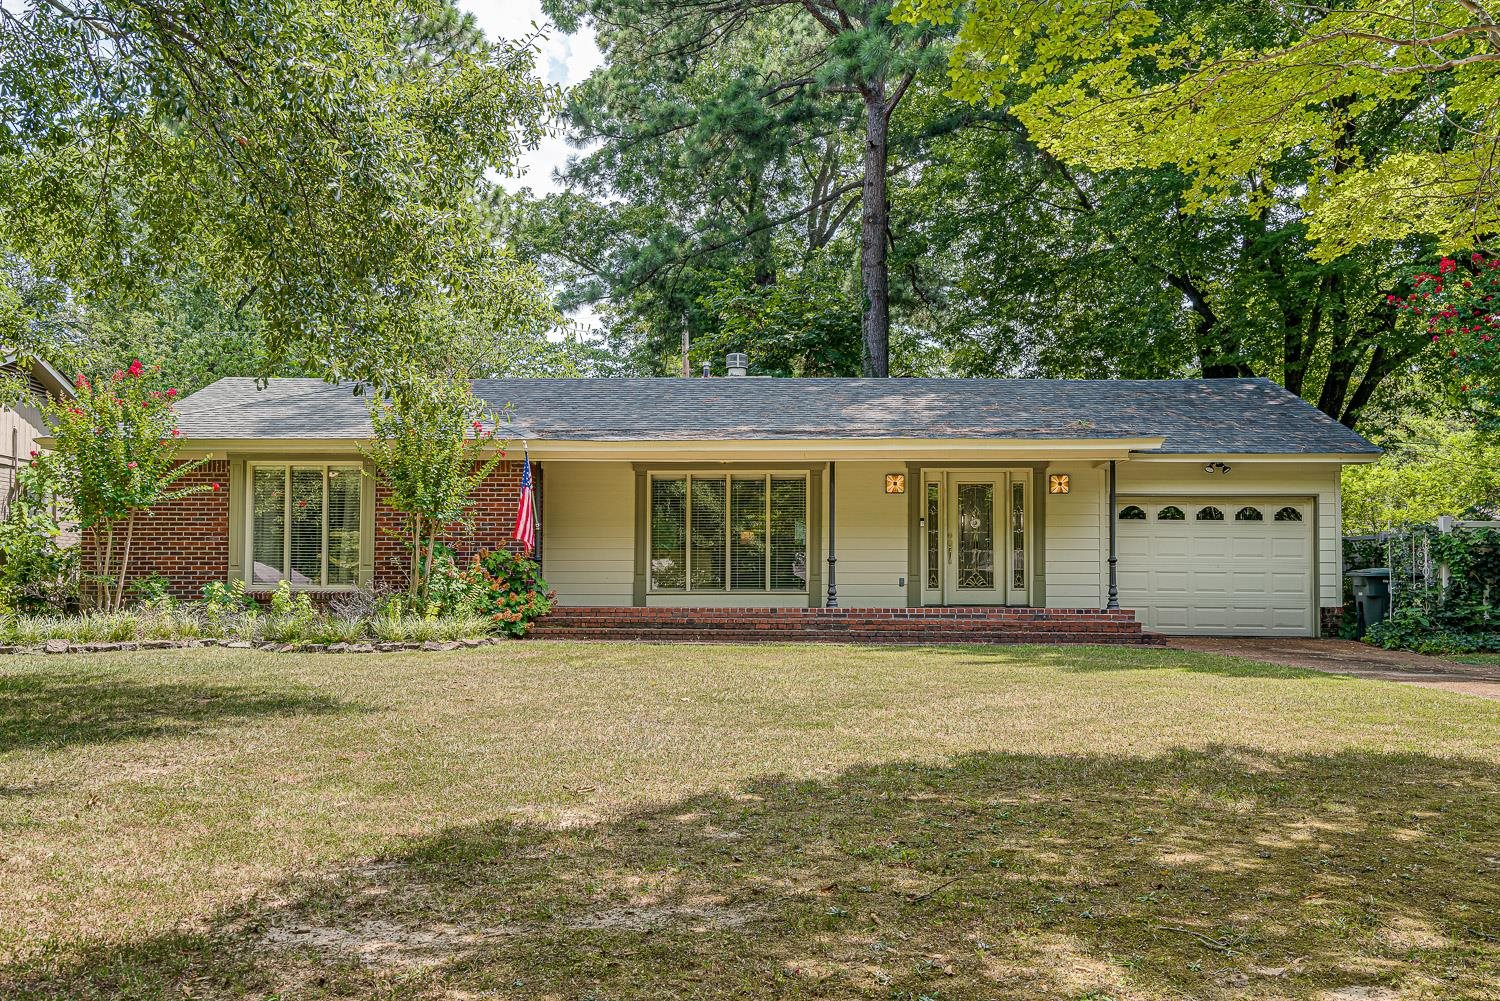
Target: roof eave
{"type": "Point", "coordinates": [710, 449]}
{"type": "Point", "coordinates": [1345, 458]}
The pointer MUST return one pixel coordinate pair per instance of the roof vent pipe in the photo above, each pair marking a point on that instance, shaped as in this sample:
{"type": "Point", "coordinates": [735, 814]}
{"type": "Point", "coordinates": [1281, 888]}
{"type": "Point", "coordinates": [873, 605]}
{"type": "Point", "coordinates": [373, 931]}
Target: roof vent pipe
{"type": "Point", "coordinates": [706, 371]}
{"type": "Point", "coordinates": [736, 365]}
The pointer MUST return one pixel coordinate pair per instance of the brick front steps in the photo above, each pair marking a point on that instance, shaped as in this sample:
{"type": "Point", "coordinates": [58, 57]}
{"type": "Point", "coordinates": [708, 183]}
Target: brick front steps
{"type": "Point", "coordinates": [848, 625]}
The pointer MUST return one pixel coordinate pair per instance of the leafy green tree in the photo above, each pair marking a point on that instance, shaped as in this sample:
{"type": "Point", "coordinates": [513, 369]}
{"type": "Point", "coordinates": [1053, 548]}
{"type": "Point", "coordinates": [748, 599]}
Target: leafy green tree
{"type": "Point", "coordinates": [114, 456]}
{"type": "Point", "coordinates": [1055, 267]}
{"type": "Point", "coordinates": [739, 122]}
{"type": "Point", "coordinates": [433, 444]}
{"type": "Point", "coordinates": [806, 324]}
{"type": "Point", "coordinates": [321, 162]}
{"type": "Point", "coordinates": [1432, 467]}
{"type": "Point", "coordinates": [1231, 93]}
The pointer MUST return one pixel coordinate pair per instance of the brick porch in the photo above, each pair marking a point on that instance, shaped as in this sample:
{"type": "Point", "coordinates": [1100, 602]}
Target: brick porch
{"type": "Point", "coordinates": [911, 626]}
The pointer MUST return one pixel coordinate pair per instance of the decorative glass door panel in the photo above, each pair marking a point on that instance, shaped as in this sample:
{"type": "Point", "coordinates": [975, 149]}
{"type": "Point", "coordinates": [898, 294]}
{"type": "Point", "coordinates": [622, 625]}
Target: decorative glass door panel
{"type": "Point", "coordinates": [976, 536]}
{"type": "Point", "coordinates": [975, 572]}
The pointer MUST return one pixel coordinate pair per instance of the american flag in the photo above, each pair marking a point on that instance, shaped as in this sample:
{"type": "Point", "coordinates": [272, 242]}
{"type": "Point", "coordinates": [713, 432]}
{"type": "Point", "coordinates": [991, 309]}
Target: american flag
{"type": "Point", "coordinates": [525, 532]}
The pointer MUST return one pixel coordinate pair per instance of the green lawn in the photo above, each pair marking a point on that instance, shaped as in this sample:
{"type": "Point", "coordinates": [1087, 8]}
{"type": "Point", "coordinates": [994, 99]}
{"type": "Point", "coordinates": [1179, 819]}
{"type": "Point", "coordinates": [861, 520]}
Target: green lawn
{"type": "Point", "coordinates": [574, 821]}
{"type": "Point", "coordinates": [1486, 659]}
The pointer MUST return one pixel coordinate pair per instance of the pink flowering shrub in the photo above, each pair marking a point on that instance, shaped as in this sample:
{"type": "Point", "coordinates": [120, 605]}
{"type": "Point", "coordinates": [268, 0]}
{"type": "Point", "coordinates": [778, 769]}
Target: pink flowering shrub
{"type": "Point", "coordinates": [1461, 312]}
{"type": "Point", "coordinates": [114, 456]}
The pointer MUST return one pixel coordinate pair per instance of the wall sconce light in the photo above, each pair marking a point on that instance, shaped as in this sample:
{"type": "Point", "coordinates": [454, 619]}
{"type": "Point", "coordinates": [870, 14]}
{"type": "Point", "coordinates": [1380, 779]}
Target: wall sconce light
{"type": "Point", "coordinates": [1059, 483]}
{"type": "Point", "coordinates": [895, 483]}
{"type": "Point", "coordinates": [1216, 467]}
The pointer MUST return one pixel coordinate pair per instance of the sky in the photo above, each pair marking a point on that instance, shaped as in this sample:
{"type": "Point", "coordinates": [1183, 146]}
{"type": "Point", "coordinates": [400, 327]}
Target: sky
{"type": "Point", "coordinates": [564, 60]}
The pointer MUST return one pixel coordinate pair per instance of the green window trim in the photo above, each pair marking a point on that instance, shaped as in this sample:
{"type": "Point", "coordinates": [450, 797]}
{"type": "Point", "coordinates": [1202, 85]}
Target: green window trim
{"type": "Point", "coordinates": [344, 556]}
{"type": "Point", "coordinates": [728, 532]}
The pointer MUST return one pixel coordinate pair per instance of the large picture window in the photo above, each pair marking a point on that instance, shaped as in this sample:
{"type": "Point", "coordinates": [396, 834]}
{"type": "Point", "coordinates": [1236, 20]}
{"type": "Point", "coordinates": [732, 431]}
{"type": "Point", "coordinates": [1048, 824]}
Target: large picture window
{"type": "Point", "coordinates": [734, 532]}
{"type": "Point", "coordinates": [304, 525]}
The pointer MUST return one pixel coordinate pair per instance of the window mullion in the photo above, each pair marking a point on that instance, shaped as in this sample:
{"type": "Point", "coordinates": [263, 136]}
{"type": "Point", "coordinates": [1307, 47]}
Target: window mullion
{"type": "Point", "coordinates": [323, 555]}
{"type": "Point", "coordinates": [687, 532]}
{"type": "Point", "coordinates": [286, 523]}
{"type": "Point", "coordinates": [765, 532]}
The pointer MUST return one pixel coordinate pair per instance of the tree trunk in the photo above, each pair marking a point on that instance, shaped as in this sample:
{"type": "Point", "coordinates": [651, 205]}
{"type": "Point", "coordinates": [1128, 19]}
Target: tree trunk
{"type": "Point", "coordinates": [101, 568]}
{"type": "Point", "coordinates": [119, 601]}
{"type": "Point", "coordinates": [874, 226]}
{"type": "Point", "coordinates": [432, 539]}
{"type": "Point", "coordinates": [416, 556]}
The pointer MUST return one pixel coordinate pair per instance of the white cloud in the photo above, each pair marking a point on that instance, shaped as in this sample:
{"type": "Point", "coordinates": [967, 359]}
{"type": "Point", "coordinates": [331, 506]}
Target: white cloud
{"type": "Point", "coordinates": [564, 60]}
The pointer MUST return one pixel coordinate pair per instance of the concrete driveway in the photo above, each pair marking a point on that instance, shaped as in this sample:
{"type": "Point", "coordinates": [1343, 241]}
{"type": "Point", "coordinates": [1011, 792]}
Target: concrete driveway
{"type": "Point", "coordinates": [1355, 659]}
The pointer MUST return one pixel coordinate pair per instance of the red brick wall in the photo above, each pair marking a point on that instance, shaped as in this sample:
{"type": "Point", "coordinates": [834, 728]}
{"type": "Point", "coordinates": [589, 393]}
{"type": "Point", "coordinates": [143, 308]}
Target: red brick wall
{"type": "Point", "coordinates": [492, 517]}
{"type": "Point", "coordinates": [187, 540]}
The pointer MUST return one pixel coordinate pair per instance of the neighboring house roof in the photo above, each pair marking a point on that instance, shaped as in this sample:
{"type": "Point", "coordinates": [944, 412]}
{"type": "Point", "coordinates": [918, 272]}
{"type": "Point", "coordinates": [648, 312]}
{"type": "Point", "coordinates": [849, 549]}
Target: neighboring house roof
{"type": "Point", "coordinates": [1194, 416]}
{"type": "Point", "coordinates": [42, 376]}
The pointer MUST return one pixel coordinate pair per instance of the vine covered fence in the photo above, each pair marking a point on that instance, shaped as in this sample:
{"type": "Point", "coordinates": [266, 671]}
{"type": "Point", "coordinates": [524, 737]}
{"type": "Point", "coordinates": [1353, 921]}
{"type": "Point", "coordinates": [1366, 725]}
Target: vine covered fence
{"type": "Point", "coordinates": [1445, 585]}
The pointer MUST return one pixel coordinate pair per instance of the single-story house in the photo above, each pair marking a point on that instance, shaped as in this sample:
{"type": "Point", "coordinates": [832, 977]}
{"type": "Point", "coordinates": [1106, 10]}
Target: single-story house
{"type": "Point", "coordinates": [21, 424]}
{"type": "Point", "coordinates": [1206, 506]}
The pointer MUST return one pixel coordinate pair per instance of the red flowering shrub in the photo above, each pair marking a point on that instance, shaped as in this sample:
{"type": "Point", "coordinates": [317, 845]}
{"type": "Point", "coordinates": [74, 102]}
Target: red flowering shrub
{"type": "Point", "coordinates": [1460, 307]}
{"type": "Point", "coordinates": [511, 591]}
{"type": "Point", "coordinates": [114, 456]}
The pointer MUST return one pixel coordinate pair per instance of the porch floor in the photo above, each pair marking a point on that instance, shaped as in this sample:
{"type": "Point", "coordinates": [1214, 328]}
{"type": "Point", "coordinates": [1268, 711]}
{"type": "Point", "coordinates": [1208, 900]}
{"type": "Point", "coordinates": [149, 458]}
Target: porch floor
{"type": "Point", "coordinates": [913, 626]}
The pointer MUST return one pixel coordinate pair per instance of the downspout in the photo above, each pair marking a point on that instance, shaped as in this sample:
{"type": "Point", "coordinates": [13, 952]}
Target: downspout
{"type": "Point", "coordinates": [833, 588]}
{"type": "Point", "coordinates": [1114, 559]}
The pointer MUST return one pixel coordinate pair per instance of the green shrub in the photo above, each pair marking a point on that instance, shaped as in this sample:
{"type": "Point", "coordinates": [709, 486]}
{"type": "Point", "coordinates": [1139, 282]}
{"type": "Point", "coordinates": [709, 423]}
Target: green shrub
{"type": "Point", "coordinates": [222, 598]}
{"type": "Point", "coordinates": [451, 590]}
{"type": "Point", "coordinates": [36, 574]}
{"type": "Point", "coordinates": [512, 593]}
{"type": "Point", "coordinates": [1414, 629]}
{"type": "Point", "coordinates": [225, 614]}
{"type": "Point", "coordinates": [153, 591]}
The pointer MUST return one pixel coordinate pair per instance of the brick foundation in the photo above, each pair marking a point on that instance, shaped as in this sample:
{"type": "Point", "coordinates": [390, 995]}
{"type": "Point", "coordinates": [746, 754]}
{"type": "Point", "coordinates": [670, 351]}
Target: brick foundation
{"type": "Point", "coordinates": [848, 625]}
{"type": "Point", "coordinates": [1329, 620]}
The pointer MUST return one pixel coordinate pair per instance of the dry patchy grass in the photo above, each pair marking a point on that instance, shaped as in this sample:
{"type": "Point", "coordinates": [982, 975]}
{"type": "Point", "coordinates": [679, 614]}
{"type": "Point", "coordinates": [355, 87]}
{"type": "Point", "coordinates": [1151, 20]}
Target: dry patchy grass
{"type": "Point", "coordinates": [571, 821]}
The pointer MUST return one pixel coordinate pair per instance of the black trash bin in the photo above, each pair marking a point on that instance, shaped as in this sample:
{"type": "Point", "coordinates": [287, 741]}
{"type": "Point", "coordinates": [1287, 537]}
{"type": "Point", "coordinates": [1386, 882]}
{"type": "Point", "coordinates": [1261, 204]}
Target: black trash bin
{"type": "Point", "coordinates": [1372, 596]}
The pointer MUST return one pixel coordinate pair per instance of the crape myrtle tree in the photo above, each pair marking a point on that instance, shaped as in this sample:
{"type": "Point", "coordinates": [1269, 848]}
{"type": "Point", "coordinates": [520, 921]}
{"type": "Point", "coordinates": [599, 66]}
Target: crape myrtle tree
{"type": "Point", "coordinates": [434, 442]}
{"type": "Point", "coordinates": [765, 117]}
{"type": "Point", "coordinates": [1458, 308]}
{"type": "Point", "coordinates": [114, 456]}
{"type": "Point", "coordinates": [320, 163]}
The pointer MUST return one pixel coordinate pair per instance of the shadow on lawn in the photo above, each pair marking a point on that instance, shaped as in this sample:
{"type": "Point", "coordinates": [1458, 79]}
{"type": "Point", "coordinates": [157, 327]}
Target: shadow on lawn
{"type": "Point", "coordinates": [1229, 873]}
{"type": "Point", "coordinates": [50, 710]}
{"type": "Point", "coordinates": [1095, 660]}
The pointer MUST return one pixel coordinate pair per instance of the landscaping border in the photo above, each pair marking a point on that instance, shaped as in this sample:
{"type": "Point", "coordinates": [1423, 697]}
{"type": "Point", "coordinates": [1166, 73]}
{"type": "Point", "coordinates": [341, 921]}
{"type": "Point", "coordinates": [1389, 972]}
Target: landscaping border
{"type": "Point", "coordinates": [57, 646]}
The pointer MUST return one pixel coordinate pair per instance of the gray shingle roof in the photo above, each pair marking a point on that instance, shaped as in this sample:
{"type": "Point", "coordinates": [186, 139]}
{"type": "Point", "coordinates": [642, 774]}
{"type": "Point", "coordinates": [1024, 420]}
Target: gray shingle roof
{"type": "Point", "coordinates": [1194, 416]}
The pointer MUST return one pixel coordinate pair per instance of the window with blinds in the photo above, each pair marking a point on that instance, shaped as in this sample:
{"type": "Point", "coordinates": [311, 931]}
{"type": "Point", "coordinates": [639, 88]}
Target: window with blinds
{"type": "Point", "coordinates": [669, 534]}
{"type": "Point", "coordinates": [304, 525]}
{"type": "Point", "coordinates": [728, 532]}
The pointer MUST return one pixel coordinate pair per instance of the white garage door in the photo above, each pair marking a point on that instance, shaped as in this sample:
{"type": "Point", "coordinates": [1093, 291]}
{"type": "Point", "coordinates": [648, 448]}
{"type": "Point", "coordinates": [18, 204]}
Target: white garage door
{"type": "Point", "coordinates": [1237, 566]}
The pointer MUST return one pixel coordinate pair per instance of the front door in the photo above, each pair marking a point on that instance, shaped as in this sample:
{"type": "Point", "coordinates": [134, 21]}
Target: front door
{"type": "Point", "coordinates": [976, 538]}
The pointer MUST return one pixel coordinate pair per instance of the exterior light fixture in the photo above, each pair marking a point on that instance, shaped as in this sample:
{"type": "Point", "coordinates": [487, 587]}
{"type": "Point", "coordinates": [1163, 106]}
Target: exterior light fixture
{"type": "Point", "coordinates": [895, 483]}
{"type": "Point", "coordinates": [1216, 467]}
{"type": "Point", "coordinates": [1059, 483]}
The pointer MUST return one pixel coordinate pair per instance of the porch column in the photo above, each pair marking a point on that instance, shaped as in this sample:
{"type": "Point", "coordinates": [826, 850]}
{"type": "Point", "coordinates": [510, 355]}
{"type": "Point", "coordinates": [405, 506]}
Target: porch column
{"type": "Point", "coordinates": [642, 502]}
{"type": "Point", "coordinates": [833, 587]}
{"type": "Point", "coordinates": [1114, 590]}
